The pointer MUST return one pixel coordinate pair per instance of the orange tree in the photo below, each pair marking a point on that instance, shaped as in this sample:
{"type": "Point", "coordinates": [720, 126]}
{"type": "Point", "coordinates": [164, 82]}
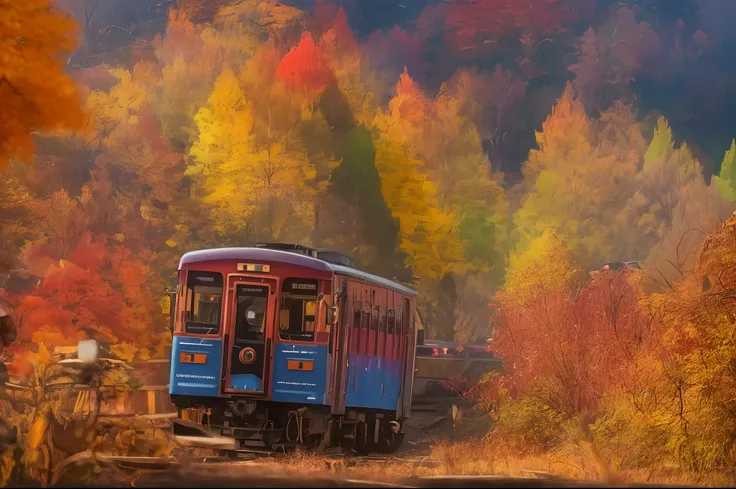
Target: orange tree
{"type": "Point", "coordinates": [35, 94]}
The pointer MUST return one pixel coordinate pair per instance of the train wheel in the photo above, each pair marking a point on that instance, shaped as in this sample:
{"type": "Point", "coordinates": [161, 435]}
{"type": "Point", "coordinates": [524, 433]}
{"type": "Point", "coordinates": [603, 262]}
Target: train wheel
{"type": "Point", "coordinates": [326, 437]}
{"type": "Point", "coordinates": [394, 443]}
{"type": "Point", "coordinates": [362, 445]}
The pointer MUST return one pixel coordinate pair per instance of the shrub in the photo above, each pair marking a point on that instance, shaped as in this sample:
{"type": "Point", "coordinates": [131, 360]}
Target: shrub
{"type": "Point", "coordinates": [530, 423]}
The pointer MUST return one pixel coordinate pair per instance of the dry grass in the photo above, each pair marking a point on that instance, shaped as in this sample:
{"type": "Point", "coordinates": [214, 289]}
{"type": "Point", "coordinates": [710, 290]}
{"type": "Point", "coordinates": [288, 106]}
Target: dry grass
{"type": "Point", "coordinates": [490, 457]}
{"type": "Point", "coordinates": [571, 462]}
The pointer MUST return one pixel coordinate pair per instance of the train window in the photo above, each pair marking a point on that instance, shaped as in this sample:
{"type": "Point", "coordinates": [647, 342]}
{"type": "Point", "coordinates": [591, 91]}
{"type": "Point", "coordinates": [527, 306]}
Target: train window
{"type": "Point", "coordinates": [203, 303]}
{"type": "Point", "coordinates": [298, 309]}
{"type": "Point", "coordinates": [366, 316]}
{"type": "Point", "coordinates": [250, 323]}
{"type": "Point", "coordinates": [399, 321]}
{"type": "Point", "coordinates": [391, 321]}
{"type": "Point", "coordinates": [356, 315]}
{"type": "Point", "coordinates": [374, 319]}
{"type": "Point", "coordinates": [382, 325]}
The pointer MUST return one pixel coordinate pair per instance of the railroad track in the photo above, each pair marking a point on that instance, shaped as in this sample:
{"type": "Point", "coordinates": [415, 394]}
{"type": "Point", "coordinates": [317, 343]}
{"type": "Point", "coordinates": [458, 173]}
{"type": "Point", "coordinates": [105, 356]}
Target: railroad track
{"type": "Point", "coordinates": [329, 459]}
{"type": "Point", "coordinates": [245, 472]}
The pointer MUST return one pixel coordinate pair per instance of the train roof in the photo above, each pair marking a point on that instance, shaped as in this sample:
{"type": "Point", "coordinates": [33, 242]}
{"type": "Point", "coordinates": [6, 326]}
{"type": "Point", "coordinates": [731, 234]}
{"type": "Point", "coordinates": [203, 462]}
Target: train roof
{"type": "Point", "coordinates": [257, 254]}
{"type": "Point", "coordinates": [278, 256]}
{"type": "Point", "coordinates": [352, 272]}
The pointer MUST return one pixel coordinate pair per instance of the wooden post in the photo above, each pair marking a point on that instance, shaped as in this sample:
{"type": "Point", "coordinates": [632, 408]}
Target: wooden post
{"type": "Point", "coordinates": [454, 419]}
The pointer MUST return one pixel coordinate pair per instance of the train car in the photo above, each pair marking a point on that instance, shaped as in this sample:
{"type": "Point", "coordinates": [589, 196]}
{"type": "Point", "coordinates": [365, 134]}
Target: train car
{"type": "Point", "coordinates": [444, 368]}
{"type": "Point", "coordinates": [283, 345]}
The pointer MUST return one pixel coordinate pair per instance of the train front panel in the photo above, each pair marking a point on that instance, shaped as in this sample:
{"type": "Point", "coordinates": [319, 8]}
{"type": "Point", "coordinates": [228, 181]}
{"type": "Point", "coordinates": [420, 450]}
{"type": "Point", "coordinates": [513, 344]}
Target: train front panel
{"type": "Point", "coordinates": [197, 343]}
{"type": "Point", "coordinates": [254, 330]}
{"type": "Point", "coordinates": [300, 361]}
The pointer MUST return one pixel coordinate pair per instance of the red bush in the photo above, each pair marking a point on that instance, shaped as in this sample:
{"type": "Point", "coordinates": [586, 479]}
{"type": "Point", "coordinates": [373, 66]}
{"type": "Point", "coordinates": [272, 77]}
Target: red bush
{"type": "Point", "coordinates": [572, 347]}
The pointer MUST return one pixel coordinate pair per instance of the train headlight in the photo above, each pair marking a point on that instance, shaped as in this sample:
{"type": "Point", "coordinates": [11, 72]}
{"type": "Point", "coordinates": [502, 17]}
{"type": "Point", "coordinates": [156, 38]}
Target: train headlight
{"type": "Point", "coordinates": [87, 351]}
{"type": "Point", "coordinates": [247, 356]}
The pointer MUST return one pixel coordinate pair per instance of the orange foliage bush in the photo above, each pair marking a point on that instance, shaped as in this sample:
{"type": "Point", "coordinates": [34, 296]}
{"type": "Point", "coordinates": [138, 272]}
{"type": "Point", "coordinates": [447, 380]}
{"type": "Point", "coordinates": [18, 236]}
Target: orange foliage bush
{"type": "Point", "coordinates": [574, 347]}
{"type": "Point", "coordinates": [99, 290]}
{"type": "Point", "coordinates": [647, 376]}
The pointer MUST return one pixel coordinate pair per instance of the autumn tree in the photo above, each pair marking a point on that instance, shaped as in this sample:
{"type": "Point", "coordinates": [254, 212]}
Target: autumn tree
{"type": "Point", "coordinates": [475, 22]}
{"type": "Point", "coordinates": [725, 181]}
{"type": "Point", "coordinates": [435, 179]}
{"type": "Point", "coordinates": [676, 409]}
{"type": "Point", "coordinates": [96, 289]}
{"type": "Point", "coordinates": [36, 95]}
{"type": "Point", "coordinates": [16, 217]}
{"type": "Point", "coordinates": [564, 348]}
{"type": "Point", "coordinates": [306, 69]}
{"type": "Point", "coordinates": [358, 214]}
{"type": "Point", "coordinates": [543, 267]}
{"type": "Point", "coordinates": [239, 150]}
{"type": "Point", "coordinates": [580, 178]}
{"type": "Point", "coordinates": [610, 58]}
{"type": "Point", "coordinates": [668, 180]}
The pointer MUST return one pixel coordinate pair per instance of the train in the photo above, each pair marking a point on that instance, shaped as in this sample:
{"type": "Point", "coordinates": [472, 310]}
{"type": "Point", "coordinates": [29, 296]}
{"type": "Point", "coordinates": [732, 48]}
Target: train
{"type": "Point", "coordinates": [281, 345]}
{"type": "Point", "coordinates": [448, 369]}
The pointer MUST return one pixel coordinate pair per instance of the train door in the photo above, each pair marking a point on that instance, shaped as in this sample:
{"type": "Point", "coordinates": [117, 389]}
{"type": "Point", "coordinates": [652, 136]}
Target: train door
{"type": "Point", "coordinates": [340, 347]}
{"type": "Point", "coordinates": [252, 310]}
{"type": "Point", "coordinates": [408, 352]}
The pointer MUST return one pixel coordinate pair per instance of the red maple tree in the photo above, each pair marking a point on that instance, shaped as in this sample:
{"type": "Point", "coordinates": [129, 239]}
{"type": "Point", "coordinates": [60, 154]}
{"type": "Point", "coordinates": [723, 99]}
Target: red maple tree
{"type": "Point", "coordinates": [306, 67]}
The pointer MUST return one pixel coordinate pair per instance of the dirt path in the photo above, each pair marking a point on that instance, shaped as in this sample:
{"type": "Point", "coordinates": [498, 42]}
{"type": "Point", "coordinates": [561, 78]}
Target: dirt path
{"type": "Point", "coordinates": [431, 423]}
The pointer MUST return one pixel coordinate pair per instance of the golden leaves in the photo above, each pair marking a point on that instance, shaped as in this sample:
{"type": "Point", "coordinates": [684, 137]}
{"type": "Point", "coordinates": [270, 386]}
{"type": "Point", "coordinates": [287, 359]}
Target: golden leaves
{"type": "Point", "coordinates": [37, 433]}
{"type": "Point", "coordinates": [434, 177]}
{"type": "Point", "coordinates": [580, 181]}
{"type": "Point", "coordinates": [565, 136]}
{"type": "Point", "coordinates": [544, 265]}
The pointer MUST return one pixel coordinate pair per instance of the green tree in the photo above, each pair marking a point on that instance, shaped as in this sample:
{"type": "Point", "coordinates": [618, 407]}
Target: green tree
{"type": "Point", "coordinates": [725, 181]}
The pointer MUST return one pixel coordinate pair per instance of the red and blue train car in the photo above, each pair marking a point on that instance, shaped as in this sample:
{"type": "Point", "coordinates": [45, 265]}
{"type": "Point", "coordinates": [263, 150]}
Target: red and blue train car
{"type": "Point", "coordinates": [283, 345]}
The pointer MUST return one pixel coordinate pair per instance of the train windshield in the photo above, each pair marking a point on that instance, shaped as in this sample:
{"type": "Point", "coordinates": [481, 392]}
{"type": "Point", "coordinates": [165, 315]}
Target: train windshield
{"type": "Point", "coordinates": [251, 312]}
{"type": "Point", "coordinates": [297, 317]}
{"type": "Point", "coordinates": [203, 303]}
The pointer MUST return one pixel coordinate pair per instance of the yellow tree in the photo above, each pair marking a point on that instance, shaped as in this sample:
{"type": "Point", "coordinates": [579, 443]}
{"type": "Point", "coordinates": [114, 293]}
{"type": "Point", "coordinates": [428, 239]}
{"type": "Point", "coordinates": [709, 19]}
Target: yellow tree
{"type": "Point", "coordinates": [111, 108]}
{"type": "Point", "coordinates": [222, 155]}
{"type": "Point", "coordinates": [667, 177]}
{"type": "Point", "coordinates": [544, 266]}
{"type": "Point", "coordinates": [429, 235]}
{"type": "Point", "coordinates": [189, 67]}
{"type": "Point", "coordinates": [435, 179]}
{"type": "Point", "coordinates": [251, 183]}
{"type": "Point", "coordinates": [580, 179]}
{"type": "Point", "coordinates": [35, 94]}
{"type": "Point", "coordinates": [193, 55]}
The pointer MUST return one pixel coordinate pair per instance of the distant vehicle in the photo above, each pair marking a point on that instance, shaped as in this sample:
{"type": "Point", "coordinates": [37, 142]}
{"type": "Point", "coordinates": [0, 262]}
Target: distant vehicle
{"type": "Point", "coordinates": [281, 345]}
{"type": "Point", "coordinates": [616, 266]}
{"type": "Point", "coordinates": [439, 364]}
